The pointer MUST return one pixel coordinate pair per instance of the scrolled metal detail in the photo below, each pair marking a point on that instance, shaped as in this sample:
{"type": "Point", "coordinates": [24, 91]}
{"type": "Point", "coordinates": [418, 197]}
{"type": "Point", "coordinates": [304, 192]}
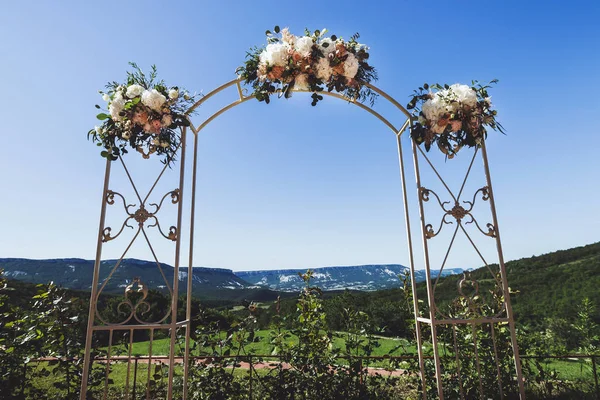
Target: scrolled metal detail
{"type": "Point", "coordinates": [134, 306]}
{"type": "Point", "coordinates": [142, 215]}
{"type": "Point", "coordinates": [110, 197]}
{"type": "Point", "coordinates": [424, 193]}
{"type": "Point", "coordinates": [175, 196]}
{"type": "Point", "coordinates": [458, 212]}
{"type": "Point", "coordinates": [491, 232]}
{"type": "Point", "coordinates": [106, 237]}
{"type": "Point", "coordinates": [172, 233]}
{"type": "Point", "coordinates": [145, 156]}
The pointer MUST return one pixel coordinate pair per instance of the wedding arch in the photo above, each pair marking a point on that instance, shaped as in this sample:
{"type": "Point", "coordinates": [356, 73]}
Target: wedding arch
{"type": "Point", "coordinates": [166, 127]}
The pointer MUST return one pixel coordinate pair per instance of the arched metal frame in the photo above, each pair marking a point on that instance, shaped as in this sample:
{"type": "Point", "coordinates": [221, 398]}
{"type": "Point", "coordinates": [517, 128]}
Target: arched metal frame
{"type": "Point", "coordinates": [170, 322]}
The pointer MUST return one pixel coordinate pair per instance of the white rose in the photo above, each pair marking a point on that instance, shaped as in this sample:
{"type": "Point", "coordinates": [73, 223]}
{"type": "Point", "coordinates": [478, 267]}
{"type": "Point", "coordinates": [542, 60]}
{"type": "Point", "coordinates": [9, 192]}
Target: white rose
{"type": "Point", "coordinates": [134, 91]}
{"type": "Point", "coordinates": [105, 97]}
{"type": "Point", "coordinates": [303, 45]}
{"type": "Point", "coordinates": [329, 48]}
{"type": "Point", "coordinates": [464, 94]}
{"type": "Point", "coordinates": [275, 54]}
{"type": "Point", "coordinates": [153, 99]}
{"type": "Point", "coordinates": [350, 66]}
{"type": "Point", "coordinates": [125, 135]}
{"type": "Point", "coordinates": [434, 108]}
{"type": "Point", "coordinates": [323, 69]}
{"type": "Point", "coordinates": [116, 106]}
{"type": "Point", "coordinates": [173, 94]}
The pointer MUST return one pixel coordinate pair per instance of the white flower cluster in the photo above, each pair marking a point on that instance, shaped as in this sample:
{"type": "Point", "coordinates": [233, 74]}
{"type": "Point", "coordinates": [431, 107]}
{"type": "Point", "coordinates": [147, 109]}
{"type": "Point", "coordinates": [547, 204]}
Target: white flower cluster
{"type": "Point", "coordinates": [443, 105]}
{"type": "Point", "coordinates": [148, 108]}
{"type": "Point", "coordinates": [296, 53]}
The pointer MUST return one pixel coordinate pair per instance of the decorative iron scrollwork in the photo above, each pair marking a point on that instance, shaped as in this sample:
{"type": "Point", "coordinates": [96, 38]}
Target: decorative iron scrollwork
{"type": "Point", "coordinates": [145, 156]}
{"type": "Point", "coordinates": [141, 215]}
{"type": "Point", "coordinates": [458, 212]}
{"type": "Point", "coordinates": [134, 306]}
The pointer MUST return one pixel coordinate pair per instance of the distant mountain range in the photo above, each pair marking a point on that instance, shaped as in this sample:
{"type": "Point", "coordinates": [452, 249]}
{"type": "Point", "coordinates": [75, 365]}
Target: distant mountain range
{"type": "Point", "coordinates": [359, 277]}
{"type": "Point", "coordinates": [76, 273]}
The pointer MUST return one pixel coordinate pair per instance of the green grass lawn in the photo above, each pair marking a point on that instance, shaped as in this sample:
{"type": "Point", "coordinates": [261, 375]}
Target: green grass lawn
{"type": "Point", "coordinates": [262, 346]}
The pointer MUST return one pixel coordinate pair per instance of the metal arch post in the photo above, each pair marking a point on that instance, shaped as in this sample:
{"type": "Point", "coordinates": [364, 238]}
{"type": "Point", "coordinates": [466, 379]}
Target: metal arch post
{"type": "Point", "coordinates": [411, 261]}
{"type": "Point", "coordinates": [503, 277]}
{"type": "Point", "coordinates": [175, 296]}
{"type": "Point", "coordinates": [93, 295]}
{"type": "Point", "coordinates": [188, 313]}
{"type": "Point", "coordinates": [430, 296]}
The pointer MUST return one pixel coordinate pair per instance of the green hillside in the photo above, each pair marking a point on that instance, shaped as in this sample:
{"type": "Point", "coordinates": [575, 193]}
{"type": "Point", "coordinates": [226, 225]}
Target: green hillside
{"type": "Point", "coordinates": [549, 285]}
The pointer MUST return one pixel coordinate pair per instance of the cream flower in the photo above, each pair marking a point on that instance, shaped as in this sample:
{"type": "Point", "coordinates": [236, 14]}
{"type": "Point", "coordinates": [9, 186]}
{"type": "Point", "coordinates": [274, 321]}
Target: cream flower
{"type": "Point", "coordinates": [153, 99]}
{"type": "Point", "coordinates": [98, 130]}
{"type": "Point", "coordinates": [350, 66]}
{"type": "Point", "coordinates": [287, 37]}
{"type": "Point", "coordinates": [464, 94]}
{"type": "Point", "coordinates": [303, 45]}
{"type": "Point", "coordinates": [434, 108]}
{"type": "Point", "coordinates": [173, 94]}
{"type": "Point", "coordinates": [301, 82]}
{"type": "Point", "coordinates": [125, 135]}
{"type": "Point", "coordinates": [105, 97]}
{"type": "Point", "coordinates": [167, 120]}
{"type": "Point", "coordinates": [275, 54]}
{"type": "Point", "coordinates": [134, 91]}
{"type": "Point", "coordinates": [117, 105]}
{"type": "Point", "coordinates": [323, 69]}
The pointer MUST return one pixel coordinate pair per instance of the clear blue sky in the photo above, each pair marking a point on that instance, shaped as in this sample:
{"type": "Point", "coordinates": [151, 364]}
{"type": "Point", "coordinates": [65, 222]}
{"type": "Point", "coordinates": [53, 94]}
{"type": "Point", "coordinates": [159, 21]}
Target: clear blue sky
{"type": "Point", "coordinates": [287, 185]}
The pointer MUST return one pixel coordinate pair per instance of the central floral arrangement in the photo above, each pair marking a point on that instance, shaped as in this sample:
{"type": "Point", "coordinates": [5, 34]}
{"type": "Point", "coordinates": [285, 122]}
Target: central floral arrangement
{"type": "Point", "coordinates": [453, 116]}
{"type": "Point", "coordinates": [143, 114]}
{"type": "Point", "coordinates": [313, 62]}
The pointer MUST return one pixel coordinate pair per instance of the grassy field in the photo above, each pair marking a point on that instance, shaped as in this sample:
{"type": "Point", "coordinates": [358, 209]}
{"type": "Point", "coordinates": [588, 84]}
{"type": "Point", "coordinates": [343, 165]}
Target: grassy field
{"type": "Point", "coordinates": [262, 346]}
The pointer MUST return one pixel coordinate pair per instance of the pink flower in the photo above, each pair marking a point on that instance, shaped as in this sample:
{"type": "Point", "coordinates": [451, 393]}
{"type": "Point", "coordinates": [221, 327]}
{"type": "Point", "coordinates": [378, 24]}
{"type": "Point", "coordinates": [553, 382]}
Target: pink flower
{"type": "Point", "coordinates": [456, 125]}
{"type": "Point", "coordinates": [140, 117]}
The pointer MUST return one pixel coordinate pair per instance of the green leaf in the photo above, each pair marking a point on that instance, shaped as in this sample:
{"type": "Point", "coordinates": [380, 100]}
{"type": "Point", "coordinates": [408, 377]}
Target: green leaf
{"type": "Point", "coordinates": [276, 29]}
{"type": "Point", "coordinates": [102, 116]}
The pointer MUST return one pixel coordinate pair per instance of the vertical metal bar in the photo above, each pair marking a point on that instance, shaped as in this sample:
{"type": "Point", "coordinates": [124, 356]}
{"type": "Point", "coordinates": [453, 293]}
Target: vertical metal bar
{"type": "Point", "coordinates": [188, 311]}
{"type": "Point", "coordinates": [431, 300]}
{"type": "Point", "coordinates": [595, 377]}
{"type": "Point", "coordinates": [128, 364]}
{"type": "Point", "coordinates": [107, 371]}
{"type": "Point", "coordinates": [94, 293]}
{"type": "Point", "coordinates": [176, 274]}
{"type": "Point", "coordinates": [149, 363]}
{"type": "Point", "coordinates": [413, 282]}
{"type": "Point", "coordinates": [497, 361]}
{"type": "Point", "coordinates": [460, 382]}
{"type": "Point", "coordinates": [477, 363]}
{"type": "Point", "coordinates": [135, 369]}
{"type": "Point", "coordinates": [509, 311]}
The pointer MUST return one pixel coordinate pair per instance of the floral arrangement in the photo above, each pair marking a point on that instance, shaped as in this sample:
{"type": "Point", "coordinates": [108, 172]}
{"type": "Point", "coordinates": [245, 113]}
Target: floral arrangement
{"type": "Point", "coordinates": [453, 117]}
{"type": "Point", "coordinates": [143, 114]}
{"type": "Point", "coordinates": [310, 63]}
